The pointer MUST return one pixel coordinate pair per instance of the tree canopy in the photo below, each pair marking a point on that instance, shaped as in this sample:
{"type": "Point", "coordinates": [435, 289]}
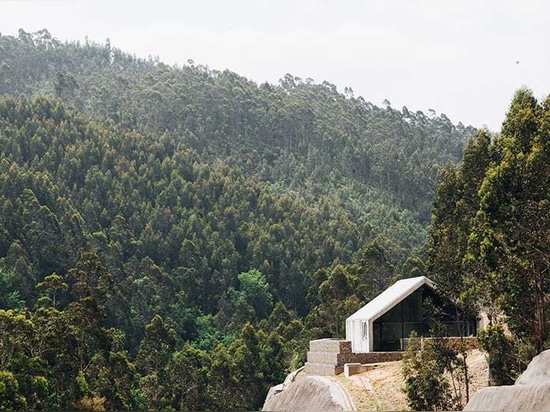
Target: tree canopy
{"type": "Point", "coordinates": [490, 229]}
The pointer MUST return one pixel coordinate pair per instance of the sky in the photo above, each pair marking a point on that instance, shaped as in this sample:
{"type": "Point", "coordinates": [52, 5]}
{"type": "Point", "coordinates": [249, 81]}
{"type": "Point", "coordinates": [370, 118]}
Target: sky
{"type": "Point", "coordinates": [464, 58]}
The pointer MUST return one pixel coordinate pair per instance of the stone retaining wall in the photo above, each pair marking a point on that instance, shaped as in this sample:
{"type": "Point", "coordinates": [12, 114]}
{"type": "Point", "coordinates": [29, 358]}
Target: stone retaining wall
{"type": "Point", "coordinates": [471, 342]}
{"type": "Point", "coordinates": [377, 357]}
{"type": "Point", "coordinates": [328, 356]}
{"type": "Point", "coordinates": [323, 357]}
{"type": "Point", "coordinates": [323, 369]}
{"type": "Point", "coordinates": [330, 345]}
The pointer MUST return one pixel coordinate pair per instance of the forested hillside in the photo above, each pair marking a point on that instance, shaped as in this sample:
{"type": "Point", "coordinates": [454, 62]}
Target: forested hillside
{"type": "Point", "coordinates": [174, 236]}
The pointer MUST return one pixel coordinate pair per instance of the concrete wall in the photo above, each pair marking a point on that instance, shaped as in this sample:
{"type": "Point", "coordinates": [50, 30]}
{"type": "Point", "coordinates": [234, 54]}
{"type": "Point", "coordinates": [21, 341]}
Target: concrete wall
{"type": "Point", "coordinates": [355, 368]}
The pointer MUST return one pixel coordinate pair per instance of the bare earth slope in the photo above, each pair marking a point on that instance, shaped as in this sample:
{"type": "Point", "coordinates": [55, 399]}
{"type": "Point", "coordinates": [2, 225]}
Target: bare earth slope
{"type": "Point", "coordinates": [380, 388]}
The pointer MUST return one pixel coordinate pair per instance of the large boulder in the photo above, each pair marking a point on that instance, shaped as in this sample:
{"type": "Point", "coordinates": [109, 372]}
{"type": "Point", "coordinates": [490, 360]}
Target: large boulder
{"type": "Point", "coordinates": [309, 393]}
{"type": "Point", "coordinates": [537, 372]}
{"type": "Point", "coordinates": [530, 392]}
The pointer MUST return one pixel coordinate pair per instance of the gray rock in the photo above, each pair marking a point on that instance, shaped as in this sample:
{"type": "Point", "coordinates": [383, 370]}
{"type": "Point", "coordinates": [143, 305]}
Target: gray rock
{"type": "Point", "coordinates": [511, 398]}
{"type": "Point", "coordinates": [310, 393]}
{"type": "Point", "coordinates": [538, 371]}
{"type": "Point", "coordinates": [531, 392]}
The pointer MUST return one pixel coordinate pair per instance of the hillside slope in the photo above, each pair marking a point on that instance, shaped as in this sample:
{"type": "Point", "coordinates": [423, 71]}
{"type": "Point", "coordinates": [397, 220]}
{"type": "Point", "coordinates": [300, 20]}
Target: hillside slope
{"type": "Point", "coordinates": [299, 133]}
{"type": "Point", "coordinates": [165, 228]}
{"type": "Point", "coordinates": [380, 388]}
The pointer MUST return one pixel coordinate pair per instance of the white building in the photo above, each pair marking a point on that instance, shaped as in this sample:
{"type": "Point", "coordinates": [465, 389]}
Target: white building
{"type": "Point", "coordinates": [386, 321]}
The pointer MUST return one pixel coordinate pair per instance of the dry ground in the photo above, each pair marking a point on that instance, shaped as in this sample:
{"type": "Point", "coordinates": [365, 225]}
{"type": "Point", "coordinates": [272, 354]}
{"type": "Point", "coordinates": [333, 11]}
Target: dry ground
{"type": "Point", "coordinates": [382, 387]}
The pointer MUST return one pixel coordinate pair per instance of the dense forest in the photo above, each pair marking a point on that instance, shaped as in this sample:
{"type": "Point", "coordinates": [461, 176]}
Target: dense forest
{"type": "Point", "coordinates": [489, 241]}
{"type": "Point", "coordinates": [172, 237]}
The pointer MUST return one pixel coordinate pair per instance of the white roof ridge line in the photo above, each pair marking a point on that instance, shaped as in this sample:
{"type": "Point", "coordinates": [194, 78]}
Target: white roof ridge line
{"type": "Point", "coordinates": [389, 298]}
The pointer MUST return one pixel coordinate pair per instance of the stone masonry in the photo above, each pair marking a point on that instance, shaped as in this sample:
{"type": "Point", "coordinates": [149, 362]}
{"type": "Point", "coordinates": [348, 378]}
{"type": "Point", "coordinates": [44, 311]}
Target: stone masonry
{"type": "Point", "coordinates": [328, 356]}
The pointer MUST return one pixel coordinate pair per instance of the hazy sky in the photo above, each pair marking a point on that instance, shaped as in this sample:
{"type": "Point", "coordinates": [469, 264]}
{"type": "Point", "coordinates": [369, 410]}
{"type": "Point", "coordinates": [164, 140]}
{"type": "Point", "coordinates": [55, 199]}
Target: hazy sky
{"type": "Point", "coordinates": [462, 58]}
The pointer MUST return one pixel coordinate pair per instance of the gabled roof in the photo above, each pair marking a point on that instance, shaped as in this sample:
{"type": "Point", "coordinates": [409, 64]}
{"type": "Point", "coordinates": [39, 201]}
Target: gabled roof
{"type": "Point", "coordinates": [391, 297]}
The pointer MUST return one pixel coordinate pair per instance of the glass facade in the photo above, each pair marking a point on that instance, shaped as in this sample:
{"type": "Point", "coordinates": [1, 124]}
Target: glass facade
{"type": "Point", "coordinates": [415, 313]}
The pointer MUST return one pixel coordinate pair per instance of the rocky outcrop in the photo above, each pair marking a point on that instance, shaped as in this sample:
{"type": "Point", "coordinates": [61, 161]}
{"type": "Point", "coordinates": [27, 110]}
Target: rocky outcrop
{"type": "Point", "coordinates": [530, 392]}
{"type": "Point", "coordinates": [538, 371]}
{"type": "Point", "coordinates": [309, 393]}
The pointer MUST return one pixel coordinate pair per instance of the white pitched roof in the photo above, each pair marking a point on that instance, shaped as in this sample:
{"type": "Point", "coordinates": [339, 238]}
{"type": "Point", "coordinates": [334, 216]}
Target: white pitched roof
{"type": "Point", "coordinates": [391, 297]}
